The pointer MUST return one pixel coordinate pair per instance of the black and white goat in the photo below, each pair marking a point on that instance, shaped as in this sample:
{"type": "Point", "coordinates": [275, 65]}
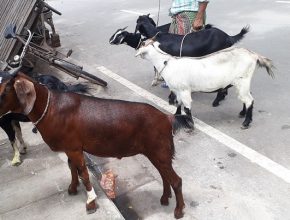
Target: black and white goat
{"type": "Point", "coordinates": [121, 36]}
{"type": "Point", "coordinates": [232, 66]}
{"type": "Point", "coordinates": [10, 122]}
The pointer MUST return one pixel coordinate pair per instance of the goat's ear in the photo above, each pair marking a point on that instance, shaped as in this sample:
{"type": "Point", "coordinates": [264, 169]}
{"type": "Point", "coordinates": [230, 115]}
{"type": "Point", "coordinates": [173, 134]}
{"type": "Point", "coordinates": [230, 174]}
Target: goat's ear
{"type": "Point", "coordinates": [140, 27]}
{"type": "Point", "coordinates": [25, 93]}
{"type": "Point", "coordinates": [137, 27]}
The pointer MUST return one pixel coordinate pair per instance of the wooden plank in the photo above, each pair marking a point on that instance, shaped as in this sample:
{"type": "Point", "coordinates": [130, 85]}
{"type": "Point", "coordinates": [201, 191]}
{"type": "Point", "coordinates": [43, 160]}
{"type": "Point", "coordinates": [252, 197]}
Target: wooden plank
{"type": "Point", "coordinates": [16, 12]}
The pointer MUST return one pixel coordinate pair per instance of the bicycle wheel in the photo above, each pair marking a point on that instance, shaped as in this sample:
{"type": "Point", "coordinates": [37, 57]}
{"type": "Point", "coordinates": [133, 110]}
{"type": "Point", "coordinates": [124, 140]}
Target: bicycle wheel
{"type": "Point", "coordinates": [77, 72]}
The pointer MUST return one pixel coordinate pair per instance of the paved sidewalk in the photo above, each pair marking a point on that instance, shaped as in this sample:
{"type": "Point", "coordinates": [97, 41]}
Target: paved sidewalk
{"type": "Point", "coordinates": [37, 189]}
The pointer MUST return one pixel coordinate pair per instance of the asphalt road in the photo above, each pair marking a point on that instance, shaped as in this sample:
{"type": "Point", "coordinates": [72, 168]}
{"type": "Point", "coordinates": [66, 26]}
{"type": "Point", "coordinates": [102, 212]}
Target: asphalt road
{"type": "Point", "coordinates": [218, 183]}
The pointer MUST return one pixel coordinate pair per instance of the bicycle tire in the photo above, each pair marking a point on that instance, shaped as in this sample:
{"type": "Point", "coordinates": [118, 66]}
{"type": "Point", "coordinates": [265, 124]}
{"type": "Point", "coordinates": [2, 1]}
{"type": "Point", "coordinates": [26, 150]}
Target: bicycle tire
{"type": "Point", "coordinates": [77, 72]}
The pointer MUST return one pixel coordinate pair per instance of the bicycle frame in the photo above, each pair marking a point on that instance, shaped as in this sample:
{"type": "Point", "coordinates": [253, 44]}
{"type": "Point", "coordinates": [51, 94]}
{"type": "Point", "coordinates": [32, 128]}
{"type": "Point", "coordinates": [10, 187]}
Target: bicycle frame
{"type": "Point", "coordinates": [49, 57]}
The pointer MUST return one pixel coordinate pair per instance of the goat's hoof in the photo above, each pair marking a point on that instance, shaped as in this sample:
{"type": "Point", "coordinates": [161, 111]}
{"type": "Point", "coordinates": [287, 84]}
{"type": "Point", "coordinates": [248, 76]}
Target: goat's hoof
{"type": "Point", "coordinates": [215, 104]}
{"type": "Point", "coordinates": [178, 213]}
{"type": "Point", "coordinates": [16, 162]}
{"type": "Point", "coordinates": [245, 125]}
{"type": "Point", "coordinates": [164, 200]}
{"type": "Point", "coordinates": [154, 83]}
{"type": "Point", "coordinates": [91, 207]}
{"type": "Point", "coordinates": [72, 190]}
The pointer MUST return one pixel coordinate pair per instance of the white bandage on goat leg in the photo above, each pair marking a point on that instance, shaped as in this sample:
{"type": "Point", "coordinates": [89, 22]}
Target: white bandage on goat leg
{"type": "Point", "coordinates": [16, 158]}
{"type": "Point", "coordinates": [91, 195]}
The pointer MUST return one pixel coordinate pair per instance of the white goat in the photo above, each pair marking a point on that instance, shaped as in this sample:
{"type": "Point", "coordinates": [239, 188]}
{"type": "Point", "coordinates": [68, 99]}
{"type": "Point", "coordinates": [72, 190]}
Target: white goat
{"type": "Point", "coordinates": [231, 66]}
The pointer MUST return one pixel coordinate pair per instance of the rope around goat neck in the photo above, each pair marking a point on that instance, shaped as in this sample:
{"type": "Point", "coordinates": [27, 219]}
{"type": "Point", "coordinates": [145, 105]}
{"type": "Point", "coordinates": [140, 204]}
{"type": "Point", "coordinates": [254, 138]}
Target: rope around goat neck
{"type": "Point", "coordinates": [45, 110]}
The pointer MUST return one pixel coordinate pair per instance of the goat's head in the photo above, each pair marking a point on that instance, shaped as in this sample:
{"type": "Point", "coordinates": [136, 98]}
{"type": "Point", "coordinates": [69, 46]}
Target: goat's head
{"type": "Point", "coordinates": [7, 93]}
{"type": "Point", "coordinates": [119, 36]}
{"type": "Point", "coordinates": [145, 48]}
{"type": "Point", "coordinates": [17, 94]}
{"type": "Point", "coordinates": [146, 19]}
{"type": "Point", "coordinates": [144, 23]}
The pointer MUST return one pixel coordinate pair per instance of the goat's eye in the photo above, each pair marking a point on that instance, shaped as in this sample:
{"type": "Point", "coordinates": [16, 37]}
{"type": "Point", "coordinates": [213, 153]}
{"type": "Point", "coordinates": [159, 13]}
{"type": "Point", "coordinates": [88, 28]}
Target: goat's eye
{"type": "Point", "coordinates": [143, 43]}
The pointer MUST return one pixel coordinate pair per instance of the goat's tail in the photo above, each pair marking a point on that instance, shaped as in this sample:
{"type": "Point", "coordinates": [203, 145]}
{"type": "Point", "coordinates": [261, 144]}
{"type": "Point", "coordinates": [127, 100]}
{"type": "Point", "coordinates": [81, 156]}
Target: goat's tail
{"type": "Point", "coordinates": [78, 88]}
{"type": "Point", "coordinates": [181, 122]}
{"type": "Point", "coordinates": [267, 63]}
{"type": "Point", "coordinates": [239, 36]}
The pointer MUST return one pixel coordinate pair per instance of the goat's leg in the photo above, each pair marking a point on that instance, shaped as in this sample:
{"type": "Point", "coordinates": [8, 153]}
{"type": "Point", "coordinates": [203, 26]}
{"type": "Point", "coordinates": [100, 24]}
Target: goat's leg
{"type": "Point", "coordinates": [18, 133]}
{"type": "Point", "coordinates": [185, 98]}
{"type": "Point", "coordinates": [77, 158]}
{"type": "Point", "coordinates": [221, 94]}
{"type": "Point", "coordinates": [244, 94]}
{"type": "Point", "coordinates": [191, 122]}
{"type": "Point", "coordinates": [176, 183]}
{"type": "Point", "coordinates": [163, 164]}
{"type": "Point", "coordinates": [7, 127]}
{"type": "Point", "coordinates": [178, 110]}
{"type": "Point", "coordinates": [156, 77]}
{"type": "Point", "coordinates": [172, 100]}
{"type": "Point", "coordinates": [72, 189]}
{"type": "Point", "coordinates": [16, 161]}
{"type": "Point", "coordinates": [249, 115]}
{"type": "Point", "coordinates": [243, 112]}
{"type": "Point", "coordinates": [164, 200]}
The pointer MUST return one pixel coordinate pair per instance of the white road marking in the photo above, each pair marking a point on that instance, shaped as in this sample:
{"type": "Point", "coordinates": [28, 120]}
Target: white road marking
{"type": "Point", "coordinates": [136, 13]}
{"type": "Point", "coordinates": [233, 144]}
{"type": "Point", "coordinates": [285, 2]}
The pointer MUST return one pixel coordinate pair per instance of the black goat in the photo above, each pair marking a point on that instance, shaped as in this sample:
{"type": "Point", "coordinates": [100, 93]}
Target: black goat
{"type": "Point", "coordinates": [195, 44]}
{"type": "Point", "coordinates": [10, 122]}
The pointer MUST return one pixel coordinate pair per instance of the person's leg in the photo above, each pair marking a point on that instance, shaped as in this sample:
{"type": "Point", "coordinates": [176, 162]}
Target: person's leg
{"type": "Point", "coordinates": [182, 23]}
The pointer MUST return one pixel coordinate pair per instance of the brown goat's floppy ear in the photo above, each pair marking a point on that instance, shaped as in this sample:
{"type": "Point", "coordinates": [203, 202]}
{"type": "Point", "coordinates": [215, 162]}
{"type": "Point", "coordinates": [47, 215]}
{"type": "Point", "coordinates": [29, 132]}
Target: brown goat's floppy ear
{"type": "Point", "coordinates": [26, 94]}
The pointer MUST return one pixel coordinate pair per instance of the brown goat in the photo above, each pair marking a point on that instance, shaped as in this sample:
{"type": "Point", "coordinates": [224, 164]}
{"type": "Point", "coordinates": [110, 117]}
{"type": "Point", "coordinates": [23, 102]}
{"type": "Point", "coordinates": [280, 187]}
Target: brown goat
{"type": "Point", "coordinates": [74, 123]}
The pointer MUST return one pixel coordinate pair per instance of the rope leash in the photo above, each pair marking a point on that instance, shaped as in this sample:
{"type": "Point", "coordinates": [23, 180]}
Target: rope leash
{"type": "Point", "coordinates": [158, 13]}
{"type": "Point", "coordinates": [45, 110]}
{"type": "Point", "coordinates": [181, 45]}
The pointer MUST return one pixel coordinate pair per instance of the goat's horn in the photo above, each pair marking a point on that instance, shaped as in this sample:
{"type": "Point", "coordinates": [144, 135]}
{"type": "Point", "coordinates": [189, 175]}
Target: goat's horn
{"type": "Point", "coordinates": [124, 28]}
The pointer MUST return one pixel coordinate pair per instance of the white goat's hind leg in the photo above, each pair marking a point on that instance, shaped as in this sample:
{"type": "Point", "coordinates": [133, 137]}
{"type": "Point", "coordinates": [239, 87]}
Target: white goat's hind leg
{"type": "Point", "coordinates": [18, 134]}
{"type": "Point", "coordinates": [244, 94]}
{"type": "Point", "coordinates": [16, 159]}
{"type": "Point", "coordinates": [184, 97]}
